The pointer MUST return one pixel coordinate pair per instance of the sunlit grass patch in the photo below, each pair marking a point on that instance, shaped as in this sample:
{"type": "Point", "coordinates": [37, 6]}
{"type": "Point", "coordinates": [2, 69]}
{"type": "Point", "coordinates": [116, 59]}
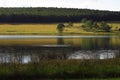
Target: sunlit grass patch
{"type": "Point", "coordinates": [38, 29]}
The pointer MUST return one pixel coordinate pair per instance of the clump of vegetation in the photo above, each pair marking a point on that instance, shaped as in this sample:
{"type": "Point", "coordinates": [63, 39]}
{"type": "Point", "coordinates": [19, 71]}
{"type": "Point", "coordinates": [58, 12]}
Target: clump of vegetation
{"type": "Point", "coordinates": [70, 24]}
{"type": "Point", "coordinates": [62, 69]}
{"type": "Point", "coordinates": [60, 27]}
{"type": "Point", "coordinates": [117, 28]}
{"type": "Point", "coordinates": [89, 25]}
{"type": "Point", "coordinates": [104, 26]}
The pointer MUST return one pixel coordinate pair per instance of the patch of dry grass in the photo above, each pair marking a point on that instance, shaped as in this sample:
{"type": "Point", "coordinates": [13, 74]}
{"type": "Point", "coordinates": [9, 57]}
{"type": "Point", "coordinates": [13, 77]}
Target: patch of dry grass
{"type": "Point", "coordinates": [28, 28]}
{"type": "Point", "coordinates": [115, 26]}
{"type": "Point", "coordinates": [43, 28]}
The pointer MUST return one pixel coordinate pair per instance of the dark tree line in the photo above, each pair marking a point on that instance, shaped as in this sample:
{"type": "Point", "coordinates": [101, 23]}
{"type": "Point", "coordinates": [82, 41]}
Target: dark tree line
{"type": "Point", "coordinates": [55, 15]}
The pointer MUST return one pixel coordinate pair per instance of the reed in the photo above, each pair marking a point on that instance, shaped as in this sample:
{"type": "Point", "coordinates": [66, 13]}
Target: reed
{"type": "Point", "coordinates": [78, 69]}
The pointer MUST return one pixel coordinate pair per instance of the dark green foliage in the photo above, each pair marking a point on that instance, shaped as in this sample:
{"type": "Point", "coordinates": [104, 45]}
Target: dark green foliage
{"type": "Point", "coordinates": [95, 25]}
{"type": "Point", "coordinates": [60, 27]}
{"type": "Point", "coordinates": [102, 25]}
{"type": "Point", "coordinates": [88, 24]}
{"type": "Point", "coordinates": [92, 26]}
{"type": "Point", "coordinates": [62, 69]}
{"type": "Point", "coordinates": [70, 24]}
{"type": "Point", "coordinates": [55, 15]}
{"type": "Point", "coordinates": [105, 26]}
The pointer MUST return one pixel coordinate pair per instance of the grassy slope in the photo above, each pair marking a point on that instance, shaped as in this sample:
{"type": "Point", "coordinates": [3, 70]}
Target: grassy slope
{"type": "Point", "coordinates": [42, 28]}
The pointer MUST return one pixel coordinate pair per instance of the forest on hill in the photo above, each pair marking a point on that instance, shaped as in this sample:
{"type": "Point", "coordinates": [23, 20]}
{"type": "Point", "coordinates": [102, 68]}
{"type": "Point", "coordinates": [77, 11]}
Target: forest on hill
{"type": "Point", "coordinates": [48, 15]}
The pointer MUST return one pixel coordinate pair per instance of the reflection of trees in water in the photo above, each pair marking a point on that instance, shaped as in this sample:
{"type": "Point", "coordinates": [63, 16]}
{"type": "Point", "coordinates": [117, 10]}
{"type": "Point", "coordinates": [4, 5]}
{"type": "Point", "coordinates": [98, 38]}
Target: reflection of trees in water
{"type": "Point", "coordinates": [93, 43]}
{"type": "Point", "coordinates": [60, 41]}
{"type": "Point", "coordinates": [94, 54]}
{"type": "Point", "coordinates": [25, 54]}
{"type": "Point", "coordinates": [118, 54]}
{"type": "Point", "coordinates": [106, 43]}
{"type": "Point", "coordinates": [96, 43]}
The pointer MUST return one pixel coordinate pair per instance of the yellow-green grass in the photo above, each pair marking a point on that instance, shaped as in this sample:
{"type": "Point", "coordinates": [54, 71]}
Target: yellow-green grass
{"type": "Point", "coordinates": [36, 29]}
{"type": "Point", "coordinates": [32, 29]}
{"type": "Point", "coordinates": [114, 25]}
{"type": "Point", "coordinates": [27, 28]}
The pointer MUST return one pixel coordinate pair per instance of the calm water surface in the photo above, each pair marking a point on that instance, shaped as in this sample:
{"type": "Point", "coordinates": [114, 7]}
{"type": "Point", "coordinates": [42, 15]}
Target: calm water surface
{"type": "Point", "coordinates": [25, 49]}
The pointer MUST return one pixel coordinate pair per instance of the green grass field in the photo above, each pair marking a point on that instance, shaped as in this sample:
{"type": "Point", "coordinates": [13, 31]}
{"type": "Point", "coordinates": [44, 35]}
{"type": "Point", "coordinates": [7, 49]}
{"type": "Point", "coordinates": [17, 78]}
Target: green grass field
{"type": "Point", "coordinates": [38, 29]}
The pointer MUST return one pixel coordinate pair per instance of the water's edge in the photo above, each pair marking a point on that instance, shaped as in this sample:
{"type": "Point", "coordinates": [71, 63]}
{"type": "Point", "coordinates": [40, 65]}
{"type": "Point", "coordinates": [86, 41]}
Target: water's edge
{"type": "Point", "coordinates": [46, 37]}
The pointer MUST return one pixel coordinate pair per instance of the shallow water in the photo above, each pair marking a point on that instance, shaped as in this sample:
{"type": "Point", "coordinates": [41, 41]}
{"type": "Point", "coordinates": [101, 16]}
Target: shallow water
{"type": "Point", "coordinates": [24, 49]}
{"type": "Point", "coordinates": [52, 36]}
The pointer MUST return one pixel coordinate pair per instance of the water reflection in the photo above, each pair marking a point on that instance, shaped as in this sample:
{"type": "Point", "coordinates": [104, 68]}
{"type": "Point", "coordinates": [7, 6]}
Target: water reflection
{"type": "Point", "coordinates": [60, 41]}
{"type": "Point", "coordinates": [100, 54]}
{"type": "Point", "coordinates": [17, 51]}
{"type": "Point", "coordinates": [26, 54]}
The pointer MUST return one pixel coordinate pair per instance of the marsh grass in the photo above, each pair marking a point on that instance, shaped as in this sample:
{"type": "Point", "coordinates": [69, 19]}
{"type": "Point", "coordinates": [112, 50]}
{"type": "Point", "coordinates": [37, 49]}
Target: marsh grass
{"type": "Point", "coordinates": [62, 69]}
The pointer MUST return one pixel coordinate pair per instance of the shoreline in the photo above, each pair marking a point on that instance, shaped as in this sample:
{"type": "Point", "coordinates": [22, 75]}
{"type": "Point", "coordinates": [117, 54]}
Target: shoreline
{"type": "Point", "coordinates": [51, 29]}
{"type": "Point", "coordinates": [63, 69]}
{"type": "Point", "coordinates": [72, 33]}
